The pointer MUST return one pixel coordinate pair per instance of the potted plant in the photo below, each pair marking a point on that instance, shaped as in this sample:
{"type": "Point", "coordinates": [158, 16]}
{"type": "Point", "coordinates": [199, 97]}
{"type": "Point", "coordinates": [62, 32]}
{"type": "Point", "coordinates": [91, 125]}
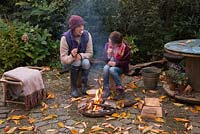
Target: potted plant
{"type": "Point", "coordinates": [177, 80]}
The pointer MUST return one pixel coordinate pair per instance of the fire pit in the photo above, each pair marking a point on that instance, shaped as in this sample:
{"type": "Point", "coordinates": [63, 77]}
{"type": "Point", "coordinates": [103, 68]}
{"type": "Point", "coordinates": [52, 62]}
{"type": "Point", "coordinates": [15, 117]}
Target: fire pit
{"type": "Point", "coordinates": [97, 107]}
{"type": "Point", "coordinates": [88, 108]}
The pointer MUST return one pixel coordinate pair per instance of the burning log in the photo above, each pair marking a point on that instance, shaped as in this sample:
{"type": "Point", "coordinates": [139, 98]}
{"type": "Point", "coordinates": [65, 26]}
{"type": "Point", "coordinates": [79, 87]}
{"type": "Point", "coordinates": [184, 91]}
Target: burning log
{"type": "Point", "coordinates": [90, 108]}
{"type": "Point", "coordinates": [97, 107]}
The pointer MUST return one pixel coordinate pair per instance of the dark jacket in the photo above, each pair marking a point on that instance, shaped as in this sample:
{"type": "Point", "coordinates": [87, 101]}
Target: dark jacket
{"type": "Point", "coordinates": [123, 62]}
{"type": "Point", "coordinates": [74, 44]}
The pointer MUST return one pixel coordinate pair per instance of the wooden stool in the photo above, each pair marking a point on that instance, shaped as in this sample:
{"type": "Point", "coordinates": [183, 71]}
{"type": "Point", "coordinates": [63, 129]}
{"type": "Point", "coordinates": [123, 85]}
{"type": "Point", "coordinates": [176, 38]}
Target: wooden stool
{"type": "Point", "coordinates": [6, 81]}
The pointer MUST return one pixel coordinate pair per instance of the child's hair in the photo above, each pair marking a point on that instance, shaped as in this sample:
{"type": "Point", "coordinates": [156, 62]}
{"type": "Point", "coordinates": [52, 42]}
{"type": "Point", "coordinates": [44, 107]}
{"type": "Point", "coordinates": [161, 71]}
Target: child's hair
{"type": "Point", "coordinates": [116, 37]}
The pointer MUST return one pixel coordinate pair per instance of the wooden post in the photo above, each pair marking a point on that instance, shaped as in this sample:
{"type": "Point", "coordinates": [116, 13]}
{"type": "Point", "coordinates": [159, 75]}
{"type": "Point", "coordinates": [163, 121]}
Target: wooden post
{"type": "Point", "coordinates": [193, 72]}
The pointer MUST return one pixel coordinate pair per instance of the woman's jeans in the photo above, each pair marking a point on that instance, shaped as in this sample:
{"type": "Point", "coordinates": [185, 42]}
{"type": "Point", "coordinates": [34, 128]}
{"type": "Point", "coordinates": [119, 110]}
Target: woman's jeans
{"type": "Point", "coordinates": [115, 72]}
{"type": "Point", "coordinates": [84, 64]}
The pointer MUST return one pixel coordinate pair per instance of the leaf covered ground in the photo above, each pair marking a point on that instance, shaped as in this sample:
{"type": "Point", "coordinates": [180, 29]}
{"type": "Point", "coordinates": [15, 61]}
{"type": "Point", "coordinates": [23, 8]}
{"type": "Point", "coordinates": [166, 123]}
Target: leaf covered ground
{"type": "Point", "coordinates": [58, 113]}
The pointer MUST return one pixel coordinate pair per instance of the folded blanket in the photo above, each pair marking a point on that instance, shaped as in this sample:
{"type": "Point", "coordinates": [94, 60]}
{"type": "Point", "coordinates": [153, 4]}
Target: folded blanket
{"type": "Point", "coordinates": [33, 88]}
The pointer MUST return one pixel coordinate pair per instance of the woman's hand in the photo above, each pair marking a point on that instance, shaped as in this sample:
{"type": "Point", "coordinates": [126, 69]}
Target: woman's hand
{"type": "Point", "coordinates": [112, 63]}
{"type": "Point", "coordinates": [74, 52]}
{"type": "Point", "coordinates": [109, 51]}
{"type": "Point", "coordinates": [78, 57]}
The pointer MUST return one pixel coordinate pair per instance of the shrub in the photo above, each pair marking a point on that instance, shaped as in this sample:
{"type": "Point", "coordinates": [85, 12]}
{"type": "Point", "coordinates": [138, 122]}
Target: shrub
{"type": "Point", "coordinates": [130, 39]}
{"type": "Point", "coordinates": [22, 44]}
{"type": "Point", "coordinates": [46, 14]}
{"type": "Point", "coordinates": [152, 22]}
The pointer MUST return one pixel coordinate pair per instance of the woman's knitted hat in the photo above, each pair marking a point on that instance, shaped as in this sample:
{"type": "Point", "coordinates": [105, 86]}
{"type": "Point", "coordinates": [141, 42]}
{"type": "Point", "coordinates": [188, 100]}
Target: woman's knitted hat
{"type": "Point", "coordinates": [75, 21]}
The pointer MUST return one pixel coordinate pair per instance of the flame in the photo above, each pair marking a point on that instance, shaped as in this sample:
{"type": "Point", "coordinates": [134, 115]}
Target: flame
{"type": "Point", "coordinates": [90, 105]}
{"type": "Point", "coordinates": [94, 104]}
{"type": "Point", "coordinates": [98, 99]}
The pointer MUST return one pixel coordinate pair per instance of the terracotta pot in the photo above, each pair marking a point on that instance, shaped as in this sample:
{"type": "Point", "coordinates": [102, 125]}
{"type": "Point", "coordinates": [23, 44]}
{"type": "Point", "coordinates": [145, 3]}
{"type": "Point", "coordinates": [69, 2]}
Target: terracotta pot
{"type": "Point", "coordinates": [182, 87]}
{"type": "Point", "coordinates": [172, 86]}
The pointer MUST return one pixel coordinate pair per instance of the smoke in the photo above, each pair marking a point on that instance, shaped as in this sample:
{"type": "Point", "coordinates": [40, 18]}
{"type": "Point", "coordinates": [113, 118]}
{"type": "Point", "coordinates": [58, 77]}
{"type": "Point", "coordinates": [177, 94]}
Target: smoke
{"type": "Point", "coordinates": [94, 23]}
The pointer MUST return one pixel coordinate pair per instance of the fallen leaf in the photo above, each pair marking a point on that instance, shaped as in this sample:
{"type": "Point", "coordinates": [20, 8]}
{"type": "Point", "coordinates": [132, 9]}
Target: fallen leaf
{"type": "Point", "coordinates": [174, 132]}
{"type": "Point", "coordinates": [157, 125]}
{"type": "Point", "coordinates": [128, 128]}
{"type": "Point", "coordinates": [81, 131]}
{"type": "Point", "coordinates": [120, 104]}
{"type": "Point", "coordinates": [131, 85]}
{"type": "Point", "coordinates": [140, 127]}
{"type": "Point", "coordinates": [115, 115]}
{"type": "Point", "coordinates": [95, 128]}
{"type": "Point", "coordinates": [178, 104]}
{"type": "Point", "coordinates": [135, 106]}
{"type": "Point", "coordinates": [197, 108]}
{"type": "Point", "coordinates": [128, 115]}
{"type": "Point", "coordinates": [162, 97]}
{"type": "Point", "coordinates": [160, 120]}
{"type": "Point", "coordinates": [77, 123]}
{"type": "Point", "coordinates": [143, 91]}
{"type": "Point", "coordinates": [137, 98]}
{"type": "Point", "coordinates": [193, 110]}
{"type": "Point", "coordinates": [147, 129]}
{"type": "Point", "coordinates": [26, 128]}
{"type": "Point", "coordinates": [6, 129]}
{"type": "Point", "coordinates": [67, 106]}
{"type": "Point", "coordinates": [44, 107]}
{"type": "Point", "coordinates": [16, 122]}
{"type": "Point", "coordinates": [110, 118]}
{"type": "Point", "coordinates": [126, 132]}
{"type": "Point", "coordinates": [11, 131]}
{"type": "Point", "coordinates": [122, 115]}
{"type": "Point", "coordinates": [46, 68]}
{"type": "Point", "coordinates": [153, 91]}
{"type": "Point", "coordinates": [157, 131]}
{"type": "Point", "coordinates": [84, 124]}
{"type": "Point", "coordinates": [165, 133]}
{"type": "Point", "coordinates": [119, 129]}
{"type": "Point", "coordinates": [74, 131]}
{"type": "Point", "coordinates": [75, 99]}
{"type": "Point", "coordinates": [50, 95]}
{"type": "Point", "coordinates": [139, 118]}
{"type": "Point", "coordinates": [22, 132]}
{"type": "Point", "coordinates": [135, 95]}
{"type": "Point", "coordinates": [104, 124]}
{"type": "Point", "coordinates": [181, 120]}
{"type": "Point", "coordinates": [186, 125]}
{"type": "Point", "coordinates": [190, 127]}
{"type": "Point", "coordinates": [60, 124]}
{"type": "Point", "coordinates": [140, 105]}
{"type": "Point", "coordinates": [16, 117]}
{"type": "Point", "coordinates": [55, 106]}
{"type": "Point", "coordinates": [109, 126]}
{"type": "Point", "coordinates": [51, 116]}
{"type": "Point", "coordinates": [1, 122]}
{"type": "Point", "coordinates": [31, 120]}
{"type": "Point", "coordinates": [69, 127]}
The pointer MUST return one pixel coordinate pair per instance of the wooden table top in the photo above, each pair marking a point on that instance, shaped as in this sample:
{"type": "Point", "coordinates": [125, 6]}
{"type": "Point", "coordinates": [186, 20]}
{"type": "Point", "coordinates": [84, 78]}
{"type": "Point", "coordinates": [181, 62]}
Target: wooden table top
{"type": "Point", "coordinates": [190, 47]}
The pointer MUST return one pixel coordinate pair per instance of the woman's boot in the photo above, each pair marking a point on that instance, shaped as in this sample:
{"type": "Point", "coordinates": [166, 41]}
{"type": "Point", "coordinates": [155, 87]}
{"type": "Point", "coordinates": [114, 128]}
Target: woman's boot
{"type": "Point", "coordinates": [74, 78]}
{"type": "Point", "coordinates": [84, 80]}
